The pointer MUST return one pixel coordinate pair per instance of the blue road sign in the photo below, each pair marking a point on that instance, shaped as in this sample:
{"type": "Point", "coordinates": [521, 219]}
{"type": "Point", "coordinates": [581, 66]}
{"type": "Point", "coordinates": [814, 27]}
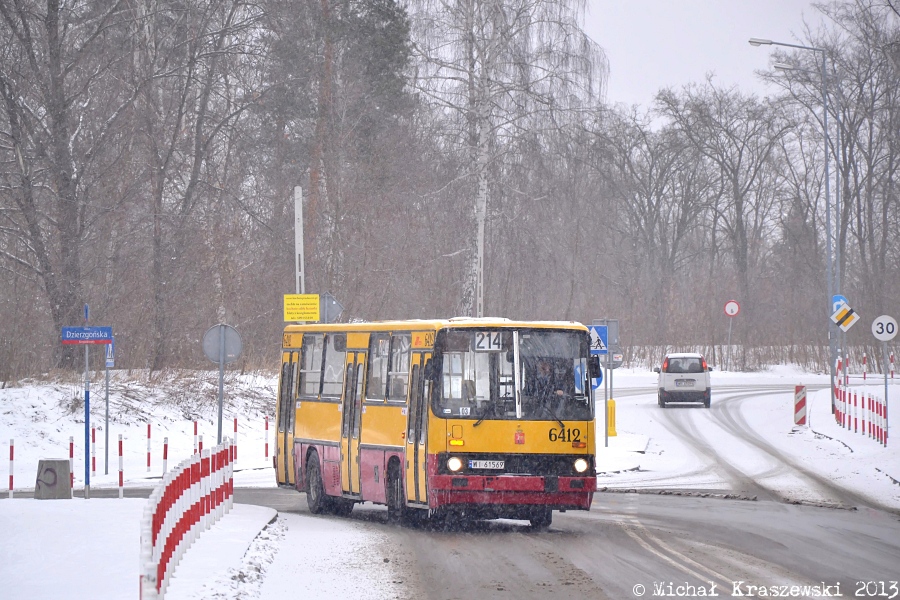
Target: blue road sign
{"type": "Point", "coordinates": [836, 302]}
{"type": "Point", "coordinates": [599, 337]}
{"type": "Point", "coordinates": [596, 383]}
{"type": "Point", "coordinates": [111, 354]}
{"type": "Point", "coordinates": [86, 335]}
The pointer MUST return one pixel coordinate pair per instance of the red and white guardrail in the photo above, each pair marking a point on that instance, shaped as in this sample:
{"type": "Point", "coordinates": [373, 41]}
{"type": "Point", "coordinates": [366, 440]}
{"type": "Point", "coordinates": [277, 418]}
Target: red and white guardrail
{"type": "Point", "coordinates": [191, 497]}
{"type": "Point", "coordinates": [854, 408]}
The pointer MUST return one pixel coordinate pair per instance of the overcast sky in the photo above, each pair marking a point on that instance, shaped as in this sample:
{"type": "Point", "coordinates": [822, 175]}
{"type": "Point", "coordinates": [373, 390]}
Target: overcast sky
{"type": "Point", "coordinates": [653, 44]}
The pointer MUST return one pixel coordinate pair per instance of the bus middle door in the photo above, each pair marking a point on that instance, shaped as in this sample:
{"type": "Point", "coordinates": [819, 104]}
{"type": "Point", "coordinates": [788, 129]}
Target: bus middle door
{"type": "Point", "coordinates": [350, 422]}
{"type": "Point", "coordinates": [416, 430]}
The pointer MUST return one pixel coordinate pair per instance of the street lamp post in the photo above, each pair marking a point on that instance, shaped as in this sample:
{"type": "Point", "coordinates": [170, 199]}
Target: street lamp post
{"type": "Point", "coordinates": [829, 266]}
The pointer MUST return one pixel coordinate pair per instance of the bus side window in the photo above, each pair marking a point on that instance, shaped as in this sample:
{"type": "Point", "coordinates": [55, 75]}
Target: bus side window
{"type": "Point", "coordinates": [413, 407]}
{"type": "Point", "coordinates": [378, 366]}
{"type": "Point", "coordinates": [311, 365]}
{"type": "Point", "coordinates": [335, 356]}
{"type": "Point", "coordinates": [292, 391]}
{"type": "Point", "coordinates": [285, 402]}
{"type": "Point", "coordinates": [398, 373]}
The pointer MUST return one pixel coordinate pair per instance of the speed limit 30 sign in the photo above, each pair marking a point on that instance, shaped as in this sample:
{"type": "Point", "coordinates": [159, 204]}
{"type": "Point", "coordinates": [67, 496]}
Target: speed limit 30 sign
{"type": "Point", "coordinates": [884, 328]}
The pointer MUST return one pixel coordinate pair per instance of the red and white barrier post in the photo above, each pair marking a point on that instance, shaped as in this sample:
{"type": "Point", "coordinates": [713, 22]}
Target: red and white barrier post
{"type": "Point", "coordinates": [195, 437]}
{"type": "Point", "coordinates": [121, 471]}
{"type": "Point", "coordinates": [864, 366]}
{"type": "Point", "coordinates": [165, 453]}
{"type": "Point", "coordinates": [148, 447]}
{"type": "Point", "coordinates": [200, 446]}
{"type": "Point", "coordinates": [838, 417]}
{"type": "Point", "coordinates": [267, 436]}
{"type": "Point", "coordinates": [189, 500]}
{"type": "Point", "coordinates": [800, 405]}
{"type": "Point", "coordinates": [93, 449]}
{"type": "Point", "coordinates": [855, 414]}
{"type": "Point", "coordinates": [11, 454]}
{"type": "Point", "coordinates": [72, 465]}
{"type": "Point", "coordinates": [864, 407]}
{"type": "Point", "coordinates": [234, 443]}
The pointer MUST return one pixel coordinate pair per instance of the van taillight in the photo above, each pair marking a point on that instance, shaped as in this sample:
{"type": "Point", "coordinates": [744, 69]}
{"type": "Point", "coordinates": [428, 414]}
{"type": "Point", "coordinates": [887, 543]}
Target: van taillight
{"type": "Point", "coordinates": [704, 364]}
{"type": "Point", "coordinates": [665, 366]}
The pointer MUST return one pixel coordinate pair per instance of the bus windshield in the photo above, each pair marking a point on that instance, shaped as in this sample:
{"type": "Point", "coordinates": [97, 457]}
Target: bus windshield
{"type": "Point", "coordinates": [503, 374]}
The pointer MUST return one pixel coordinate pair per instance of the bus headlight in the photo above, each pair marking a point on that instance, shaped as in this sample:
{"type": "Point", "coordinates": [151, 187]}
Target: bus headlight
{"type": "Point", "coordinates": [454, 464]}
{"type": "Point", "coordinates": [581, 465]}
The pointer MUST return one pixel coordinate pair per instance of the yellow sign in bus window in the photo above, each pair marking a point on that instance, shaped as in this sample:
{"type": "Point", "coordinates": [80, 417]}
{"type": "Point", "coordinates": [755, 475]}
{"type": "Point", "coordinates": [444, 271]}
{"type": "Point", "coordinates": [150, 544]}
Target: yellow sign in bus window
{"type": "Point", "coordinates": [422, 339]}
{"type": "Point", "coordinates": [301, 307]}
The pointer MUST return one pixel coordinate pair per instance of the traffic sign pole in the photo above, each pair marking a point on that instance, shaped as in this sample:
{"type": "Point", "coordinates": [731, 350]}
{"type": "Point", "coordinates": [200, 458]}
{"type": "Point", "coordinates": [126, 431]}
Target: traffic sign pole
{"type": "Point", "coordinates": [732, 308]}
{"type": "Point", "coordinates": [884, 328]}
{"type": "Point", "coordinates": [87, 416]}
{"type": "Point", "coordinates": [221, 376]}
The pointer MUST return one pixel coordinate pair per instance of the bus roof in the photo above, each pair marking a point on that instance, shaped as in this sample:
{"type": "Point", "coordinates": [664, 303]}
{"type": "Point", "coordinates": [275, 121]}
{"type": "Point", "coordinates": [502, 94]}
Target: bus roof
{"type": "Point", "coordinates": [435, 324]}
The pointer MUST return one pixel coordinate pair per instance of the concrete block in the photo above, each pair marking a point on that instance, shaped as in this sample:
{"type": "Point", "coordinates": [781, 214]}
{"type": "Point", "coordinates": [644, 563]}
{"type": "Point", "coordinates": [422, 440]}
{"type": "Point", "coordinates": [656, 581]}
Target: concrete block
{"type": "Point", "coordinates": [53, 479]}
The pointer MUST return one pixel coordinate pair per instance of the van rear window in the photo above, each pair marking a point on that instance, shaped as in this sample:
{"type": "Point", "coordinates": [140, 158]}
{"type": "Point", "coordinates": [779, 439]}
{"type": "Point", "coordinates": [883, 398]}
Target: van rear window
{"type": "Point", "coordinates": [684, 365]}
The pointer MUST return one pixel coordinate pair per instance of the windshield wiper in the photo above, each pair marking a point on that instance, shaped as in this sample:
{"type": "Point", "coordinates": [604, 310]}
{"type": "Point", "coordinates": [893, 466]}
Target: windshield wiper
{"type": "Point", "coordinates": [491, 406]}
{"type": "Point", "coordinates": [554, 415]}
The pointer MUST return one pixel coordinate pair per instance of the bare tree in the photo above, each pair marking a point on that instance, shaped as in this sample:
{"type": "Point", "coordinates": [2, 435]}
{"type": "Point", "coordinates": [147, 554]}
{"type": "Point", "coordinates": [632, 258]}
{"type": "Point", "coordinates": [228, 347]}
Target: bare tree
{"type": "Point", "coordinates": [56, 62]}
{"type": "Point", "coordinates": [501, 69]}
{"type": "Point", "coordinates": [738, 133]}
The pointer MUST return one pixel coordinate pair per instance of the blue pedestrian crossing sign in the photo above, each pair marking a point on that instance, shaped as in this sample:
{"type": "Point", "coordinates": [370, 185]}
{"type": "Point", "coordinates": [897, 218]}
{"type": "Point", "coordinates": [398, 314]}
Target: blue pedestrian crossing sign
{"type": "Point", "coordinates": [599, 337]}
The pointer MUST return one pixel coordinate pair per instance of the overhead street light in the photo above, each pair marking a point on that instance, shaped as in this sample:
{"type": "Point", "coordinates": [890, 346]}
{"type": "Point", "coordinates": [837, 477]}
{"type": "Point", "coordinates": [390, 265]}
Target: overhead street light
{"type": "Point", "coordinates": [829, 263]}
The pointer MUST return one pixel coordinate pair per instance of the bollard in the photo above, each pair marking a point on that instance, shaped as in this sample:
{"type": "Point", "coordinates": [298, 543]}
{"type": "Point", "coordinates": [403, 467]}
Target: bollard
{"type": "Point", "coordinates": [864, 366]}
{"type": "Point", "coordinates": [235, 438]}
{"type": "Point", "coordinates": [800, 405]}
{"type": "Point", "coordinates": [121, 471]}
{"type": "Point", "coordinates": [165, 453]}
{"type": "Point", "coordinates": [200, 446]}
{"type": "Point", "coordinates": [611, 417]}
{"type": "Point", "coordinates": [93, 449]}
{"type": "Point", "coordinates": [864, 409]}
{"type": "Point", "coordinates": [72, 465]}
{"type": "Point", "coordinates": [855, 414]}
{"type": "Point", "coordinates": [148, 447]}
{"type": "Point", "coordinates": [11, 454]}
{"type": "Point", "coordinates": [195, 437]}
{"type": "Point", "coordinates": [51, 480]}
{"type": "Point", "coordinates": [267, 436]}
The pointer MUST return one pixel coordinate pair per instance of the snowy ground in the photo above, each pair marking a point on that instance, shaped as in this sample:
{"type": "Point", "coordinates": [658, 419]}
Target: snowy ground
{"type": "Point", "coordinates": [645, 454]}
{"type": "Point", "coordinates": [89, 549]}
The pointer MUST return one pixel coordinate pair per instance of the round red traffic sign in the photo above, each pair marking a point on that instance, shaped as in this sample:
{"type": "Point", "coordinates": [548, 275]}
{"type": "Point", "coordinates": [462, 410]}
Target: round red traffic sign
{"type": "Point", "coordinates": [732, 308]}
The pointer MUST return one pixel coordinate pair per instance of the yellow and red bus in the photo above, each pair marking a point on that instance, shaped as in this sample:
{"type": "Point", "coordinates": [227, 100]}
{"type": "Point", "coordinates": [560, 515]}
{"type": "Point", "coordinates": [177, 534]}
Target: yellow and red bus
{"type": "Point", "coordinates": [439, 417]}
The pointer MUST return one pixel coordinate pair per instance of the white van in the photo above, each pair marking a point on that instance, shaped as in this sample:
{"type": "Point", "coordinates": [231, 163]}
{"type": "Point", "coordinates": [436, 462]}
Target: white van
{"type": "Point", "coordinates": [684, 377]}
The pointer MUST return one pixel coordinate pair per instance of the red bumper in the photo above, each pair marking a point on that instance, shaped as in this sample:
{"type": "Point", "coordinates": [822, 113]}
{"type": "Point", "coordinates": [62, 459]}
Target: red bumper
{"type": "Point", "coordinates": [556, 492]}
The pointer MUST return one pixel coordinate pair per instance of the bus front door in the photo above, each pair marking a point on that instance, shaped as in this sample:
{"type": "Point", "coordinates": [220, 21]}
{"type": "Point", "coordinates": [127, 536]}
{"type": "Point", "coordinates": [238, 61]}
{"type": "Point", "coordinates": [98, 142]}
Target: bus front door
{"type": "Point", "coordinates": [416, 430]}
{"type": "Point", "coordinates": [350, 421]}
{"type": "Point", "coordinates": [284, 450]}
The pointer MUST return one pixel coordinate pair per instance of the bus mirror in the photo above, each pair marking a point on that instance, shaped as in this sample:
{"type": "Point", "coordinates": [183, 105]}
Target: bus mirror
{"type": "Point", "coordinates": [594, 367]}
{"type": "Point", "coordinates": [431, 370]}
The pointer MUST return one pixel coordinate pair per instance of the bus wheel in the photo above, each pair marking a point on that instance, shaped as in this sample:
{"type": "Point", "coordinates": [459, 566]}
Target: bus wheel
{"type": "Point", "coordinates": [316, 499]}
{"type": "Point", "coordinates": [541, 518]}
{"type": "Point", "coordinates": [396, 505]}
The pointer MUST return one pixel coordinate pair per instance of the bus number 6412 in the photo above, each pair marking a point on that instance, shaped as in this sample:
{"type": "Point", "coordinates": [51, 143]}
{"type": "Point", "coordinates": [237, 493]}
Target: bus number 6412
{"type": "Point", "coordinates": [572, 434]}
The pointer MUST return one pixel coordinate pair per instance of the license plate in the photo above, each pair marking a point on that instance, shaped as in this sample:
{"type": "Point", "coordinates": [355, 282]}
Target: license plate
{"type": "Point", "coordinates": [486, 464]}
{"type": "Point", "coordinates": [684, 383]}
